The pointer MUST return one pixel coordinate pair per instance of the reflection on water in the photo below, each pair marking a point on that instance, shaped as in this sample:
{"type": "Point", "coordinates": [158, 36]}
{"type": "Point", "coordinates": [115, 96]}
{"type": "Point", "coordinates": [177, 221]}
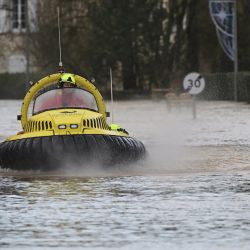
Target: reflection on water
{"type": "Point", "coordinates": [193, 192]}
{"type": "Point", "coordinates": [181, 211]}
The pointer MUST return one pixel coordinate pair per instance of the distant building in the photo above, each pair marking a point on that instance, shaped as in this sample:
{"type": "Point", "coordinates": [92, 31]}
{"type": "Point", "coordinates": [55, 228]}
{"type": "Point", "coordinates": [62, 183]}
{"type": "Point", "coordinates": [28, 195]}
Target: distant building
{"type": "Point", "coordinates": [13, 36]}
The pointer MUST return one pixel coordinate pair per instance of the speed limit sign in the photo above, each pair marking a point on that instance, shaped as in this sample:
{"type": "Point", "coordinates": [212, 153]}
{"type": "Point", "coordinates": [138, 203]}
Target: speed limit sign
{"type": "Point", "coordinates": [194, 83]}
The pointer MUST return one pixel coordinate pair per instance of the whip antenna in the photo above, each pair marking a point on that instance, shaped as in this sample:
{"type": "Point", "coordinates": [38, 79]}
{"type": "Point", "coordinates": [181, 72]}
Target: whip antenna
{"type": "Point", "coordinates": [111, 95]}
{"type": "Point", "coordinates": [59, 38]}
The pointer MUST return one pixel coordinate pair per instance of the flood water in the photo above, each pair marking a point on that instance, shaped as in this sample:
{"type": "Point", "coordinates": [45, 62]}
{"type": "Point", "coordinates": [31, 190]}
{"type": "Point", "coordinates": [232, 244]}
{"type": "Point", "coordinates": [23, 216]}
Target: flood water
{"type": "Point", "coordinates": [192, 192]}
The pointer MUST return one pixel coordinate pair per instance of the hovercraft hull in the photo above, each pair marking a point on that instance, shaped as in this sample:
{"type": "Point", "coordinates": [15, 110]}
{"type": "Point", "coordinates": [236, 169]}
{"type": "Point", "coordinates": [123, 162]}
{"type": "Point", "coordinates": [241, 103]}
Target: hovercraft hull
{"type": "Point", "coordinates": [54, 152]}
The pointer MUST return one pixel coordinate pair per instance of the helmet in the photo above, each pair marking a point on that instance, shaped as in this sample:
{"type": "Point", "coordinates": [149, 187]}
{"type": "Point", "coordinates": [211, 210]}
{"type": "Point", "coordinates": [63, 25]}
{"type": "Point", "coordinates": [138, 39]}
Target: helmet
{"type": "Point", "coordinates": [67, 78]}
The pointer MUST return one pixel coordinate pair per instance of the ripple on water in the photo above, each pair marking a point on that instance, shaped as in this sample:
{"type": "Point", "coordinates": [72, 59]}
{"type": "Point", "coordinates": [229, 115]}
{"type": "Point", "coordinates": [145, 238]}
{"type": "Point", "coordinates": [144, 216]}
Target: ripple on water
{"type": "Point", "coordinates": [192, 192]}
{"type": "Point", "coordinates": [177, 210]}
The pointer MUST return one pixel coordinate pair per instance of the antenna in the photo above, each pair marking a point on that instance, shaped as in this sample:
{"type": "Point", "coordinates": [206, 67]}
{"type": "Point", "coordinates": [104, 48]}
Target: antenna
{"type": "Point", "coordinates": [111, 94]}
{"type": "Point", "coordinates": [59, 40]}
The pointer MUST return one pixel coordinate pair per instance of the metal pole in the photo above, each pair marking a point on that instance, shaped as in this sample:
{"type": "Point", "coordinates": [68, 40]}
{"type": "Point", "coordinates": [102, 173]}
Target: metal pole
{"type": "Point", "coordinates": [194, 107]}
{"type": "Point", "coordinates": [27, 47]}
{"type": "Point", "coordinates": [235, 52]}
{"type": "Point", "coordinates": [111, 95]}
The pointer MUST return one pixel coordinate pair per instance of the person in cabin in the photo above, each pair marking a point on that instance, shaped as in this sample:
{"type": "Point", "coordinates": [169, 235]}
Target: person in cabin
{"type": "Point", "coordinates": [66, 95]}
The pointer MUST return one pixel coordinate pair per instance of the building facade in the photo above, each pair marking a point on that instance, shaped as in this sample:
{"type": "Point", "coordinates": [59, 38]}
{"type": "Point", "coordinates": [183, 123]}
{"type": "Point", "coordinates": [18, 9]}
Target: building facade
{"type": "Point", "coordinates": [17, 19]}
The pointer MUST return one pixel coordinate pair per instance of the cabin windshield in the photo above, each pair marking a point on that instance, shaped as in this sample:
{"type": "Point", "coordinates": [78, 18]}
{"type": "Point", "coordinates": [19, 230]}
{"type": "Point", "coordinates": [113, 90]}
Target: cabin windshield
{"type": "Point", "coordinates": [64, 98]}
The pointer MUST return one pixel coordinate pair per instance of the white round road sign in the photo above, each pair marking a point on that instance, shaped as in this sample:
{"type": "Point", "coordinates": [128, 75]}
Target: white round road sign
{"type": "Point", "coordinates": [194, 83]}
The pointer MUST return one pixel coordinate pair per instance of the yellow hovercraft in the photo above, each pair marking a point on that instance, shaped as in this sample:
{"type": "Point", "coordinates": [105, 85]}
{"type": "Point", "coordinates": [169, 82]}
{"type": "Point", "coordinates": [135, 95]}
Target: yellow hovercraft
{"type": "Point", "coordinates": [68, 124]}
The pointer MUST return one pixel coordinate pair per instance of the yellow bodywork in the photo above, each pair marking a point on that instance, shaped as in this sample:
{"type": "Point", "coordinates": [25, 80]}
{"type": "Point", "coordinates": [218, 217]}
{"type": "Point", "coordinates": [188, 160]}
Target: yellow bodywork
{"type": "Point", "coordinates": [65, 121]}
{"type": "Point", "coordinates": [48, 80]}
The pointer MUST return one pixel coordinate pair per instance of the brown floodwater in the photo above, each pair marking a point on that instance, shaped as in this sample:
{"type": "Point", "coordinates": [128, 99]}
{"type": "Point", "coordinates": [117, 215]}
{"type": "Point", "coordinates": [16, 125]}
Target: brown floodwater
{"type": "Point", "coordinates": [192, 191]}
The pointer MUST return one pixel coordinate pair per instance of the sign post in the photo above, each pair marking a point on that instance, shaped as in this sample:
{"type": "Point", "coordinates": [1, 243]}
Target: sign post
{"type": "Point", "coordinates": [194, 83]}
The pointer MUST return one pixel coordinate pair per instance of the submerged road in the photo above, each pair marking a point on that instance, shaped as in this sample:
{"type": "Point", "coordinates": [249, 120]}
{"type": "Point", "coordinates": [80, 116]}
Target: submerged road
{"type": "Point", "coordinates": [193, 191]}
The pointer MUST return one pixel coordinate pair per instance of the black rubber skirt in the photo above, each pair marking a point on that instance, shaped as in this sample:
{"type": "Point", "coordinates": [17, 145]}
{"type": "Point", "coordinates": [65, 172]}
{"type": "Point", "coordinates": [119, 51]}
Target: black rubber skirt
{"type": "Point", "coordinates": [54, 152]}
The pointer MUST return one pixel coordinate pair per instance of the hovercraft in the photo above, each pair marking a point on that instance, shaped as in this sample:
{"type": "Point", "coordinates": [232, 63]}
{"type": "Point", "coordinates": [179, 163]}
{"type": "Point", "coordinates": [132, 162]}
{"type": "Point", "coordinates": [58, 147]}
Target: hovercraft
{"type": "Point", "coordinates": [64, 120]}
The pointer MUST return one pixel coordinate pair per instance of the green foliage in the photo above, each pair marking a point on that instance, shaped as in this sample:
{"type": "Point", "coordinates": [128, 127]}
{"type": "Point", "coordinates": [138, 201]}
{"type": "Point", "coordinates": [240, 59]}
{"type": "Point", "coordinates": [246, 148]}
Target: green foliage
{"type": "Point", "coordinates": [146, 42]}
{"type": "Point", "coordinates": [127, 34]}
{"type": "Point", "coordinates": [243, 34]}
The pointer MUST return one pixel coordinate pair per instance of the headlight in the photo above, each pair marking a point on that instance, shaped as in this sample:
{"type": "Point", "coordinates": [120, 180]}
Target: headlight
{"type": "Point", "coordinates": [74, 126]}
{"type": "Point", "coordinates": [62, 126]}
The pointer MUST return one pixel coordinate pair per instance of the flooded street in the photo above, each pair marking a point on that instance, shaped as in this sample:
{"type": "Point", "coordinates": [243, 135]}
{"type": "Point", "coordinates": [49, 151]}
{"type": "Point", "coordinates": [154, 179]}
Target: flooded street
{"type": "Point", "coordinates": [192, 191]}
